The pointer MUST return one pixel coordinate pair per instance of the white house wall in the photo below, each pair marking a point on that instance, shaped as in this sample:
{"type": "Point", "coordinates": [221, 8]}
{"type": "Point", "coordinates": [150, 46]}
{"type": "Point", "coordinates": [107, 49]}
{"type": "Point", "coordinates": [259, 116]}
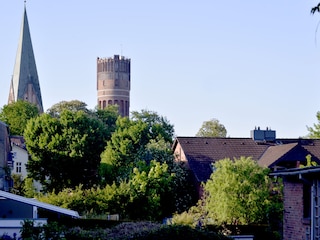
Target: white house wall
{"type": "Point", "coordinates": [20, 155]}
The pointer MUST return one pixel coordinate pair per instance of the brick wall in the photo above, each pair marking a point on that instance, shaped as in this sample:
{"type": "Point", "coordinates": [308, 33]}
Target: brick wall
{"type": "Point", "coordinates": [294, 225]}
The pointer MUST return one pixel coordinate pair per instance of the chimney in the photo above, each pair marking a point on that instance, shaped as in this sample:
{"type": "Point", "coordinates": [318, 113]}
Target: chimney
{"type": "Point", "coordinates": [267, 135]}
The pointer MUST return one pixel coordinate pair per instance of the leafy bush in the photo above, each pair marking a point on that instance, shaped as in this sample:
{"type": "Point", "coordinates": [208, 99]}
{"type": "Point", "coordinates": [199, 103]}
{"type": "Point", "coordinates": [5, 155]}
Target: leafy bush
{"type": "Point", "coordinates": [180, 232]}
{"type": "Point", "coordinates": [51, 231]}
{"type": "Point", "coordinates": [143, 197]}
{"type": "Point", "coordinates": [123, 231]}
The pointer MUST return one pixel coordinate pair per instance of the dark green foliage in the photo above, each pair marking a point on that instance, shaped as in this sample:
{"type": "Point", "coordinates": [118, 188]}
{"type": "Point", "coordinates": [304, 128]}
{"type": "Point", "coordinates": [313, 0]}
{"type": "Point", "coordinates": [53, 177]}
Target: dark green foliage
{"type": "Point", "coordinates": [239, 192]}
{"type": "Point", "coordinates": [122, 151]}
{"type": "Point", "coordinates": [129, 141]}
{"type": "Point", "coordinates": [108, 116]}
{"type": "Point", "coordinates": [157, 125]}
{"type": "Point", "coordinates": [17, 184]}
{"type": "Point", "coordinates": [259, 231]}
{"type": "Point", "coordinates": [51, 231]}
{"type": "Point", "coordinates": [73, 106]}
{"type": "Point", "coordinates": [147, 195]}
{"type": "Point", "coordinates": [179, 232]}
{"type": "Point", "coordinates": [123, 231]}
{"type": "Point", "coordinates": [134, 145]}
{"type": "Point", "coordinates": [65, 151]}
{"type": "Point", "coordinates": [150, 194]}
{"type": "Point", "coordinates": [17, 114]}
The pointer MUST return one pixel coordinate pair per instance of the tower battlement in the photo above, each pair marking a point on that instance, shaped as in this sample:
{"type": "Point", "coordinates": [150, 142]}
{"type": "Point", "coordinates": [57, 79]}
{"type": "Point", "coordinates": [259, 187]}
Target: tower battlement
{"type": "Point", "coordinates": [113, 83]}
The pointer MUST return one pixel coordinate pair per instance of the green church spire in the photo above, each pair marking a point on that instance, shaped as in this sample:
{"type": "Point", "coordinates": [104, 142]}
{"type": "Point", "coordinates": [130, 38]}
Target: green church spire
{"type": "Point", "coordinates": [25, 82]}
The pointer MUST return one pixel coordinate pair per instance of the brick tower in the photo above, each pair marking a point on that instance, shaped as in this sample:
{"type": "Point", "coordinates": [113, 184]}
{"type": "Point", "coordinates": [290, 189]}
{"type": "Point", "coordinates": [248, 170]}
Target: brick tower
{"type": "Point", "coordinates": [25, 83]}
{"type": "Point", "coordinates": [113, 83]}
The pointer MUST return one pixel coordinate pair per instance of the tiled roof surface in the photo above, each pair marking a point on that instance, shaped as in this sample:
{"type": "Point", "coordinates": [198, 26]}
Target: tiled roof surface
{"type": "Point", "coordinates": [201, 152]}
{"type": "Point", "coordinates": [18, 141]}
{"type": "Point", "coordinates": [274, 153]}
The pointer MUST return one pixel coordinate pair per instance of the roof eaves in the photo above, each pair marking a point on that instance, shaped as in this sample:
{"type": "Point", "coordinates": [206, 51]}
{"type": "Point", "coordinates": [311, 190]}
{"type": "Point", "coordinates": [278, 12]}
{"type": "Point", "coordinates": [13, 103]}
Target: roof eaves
{"type": "Point", "coordinates": [296, 171]}
{"type": "Point", "coordinates": [39, 204]}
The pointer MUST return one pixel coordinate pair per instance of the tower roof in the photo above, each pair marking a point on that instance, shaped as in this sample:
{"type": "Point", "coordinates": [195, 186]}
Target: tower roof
{"type": "Point", "coordinates": [25, 83]}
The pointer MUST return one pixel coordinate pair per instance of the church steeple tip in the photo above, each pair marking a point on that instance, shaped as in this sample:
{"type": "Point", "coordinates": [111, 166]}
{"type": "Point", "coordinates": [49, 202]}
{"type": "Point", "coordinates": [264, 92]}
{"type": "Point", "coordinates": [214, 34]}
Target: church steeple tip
{"type": "Point", "coordinates": [25, 83]}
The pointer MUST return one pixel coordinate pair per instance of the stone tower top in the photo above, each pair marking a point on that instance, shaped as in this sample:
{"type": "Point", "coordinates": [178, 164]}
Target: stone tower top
{"type": "Point", "coordinates": [113, 83]}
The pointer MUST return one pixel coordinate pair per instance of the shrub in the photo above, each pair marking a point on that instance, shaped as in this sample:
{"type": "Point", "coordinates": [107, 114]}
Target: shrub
{"type": "Point", "coordinates": [123, 231]}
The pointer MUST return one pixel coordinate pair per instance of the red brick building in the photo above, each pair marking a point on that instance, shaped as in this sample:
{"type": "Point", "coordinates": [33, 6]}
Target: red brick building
{"type": "Point", "coordinates": [198, 154]}
{"type": "Point", "coordinates": [301, 217]}
{"type": "Point", "coordinates": [113, 83]}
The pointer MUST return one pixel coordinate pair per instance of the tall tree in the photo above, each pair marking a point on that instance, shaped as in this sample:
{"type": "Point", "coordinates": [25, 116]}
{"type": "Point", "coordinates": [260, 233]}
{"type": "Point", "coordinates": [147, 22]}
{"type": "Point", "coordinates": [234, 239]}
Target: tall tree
{"type": "Point", "coordinates": [108, 115]}
{"type": "Point", "coordinates": [128, 143]}
{"type": "Point", "coordinates": [65, 151]}
{"type": "Point", "coordinates": [17, 114]}
{"type": "Point", "coordinates": [238, 192]}
{"type": "Point", "coordinates": [136, 144]}
{"type": "Point", "coordinates": [212, 128]}
{"type": "Point", "coordinates": [157, 125]}
{"type": "Point", "coordinates": [314, 132]}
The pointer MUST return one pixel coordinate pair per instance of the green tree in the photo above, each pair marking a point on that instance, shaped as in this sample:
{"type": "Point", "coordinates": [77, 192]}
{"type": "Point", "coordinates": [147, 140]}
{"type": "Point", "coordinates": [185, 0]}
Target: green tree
{"type": "Point", "coordinates": [127, 145]}
{"type": "Point", "coordinates": [157, 124]}
{"type": "Point", "coordinates": [150, 190]}
{"type": "Point", "coordinates": [108, 115]}
{"type": "Point", "coordinates": [238, 192]}
{"type": "Point", "coordinates": [65, 151]}
{"type": "Point", "coordinates": [121, 153]}
{"type": "Point", "coordinates": [212, 128]}
{"type": "Point", "coordinates": [17, 114]}
{"type": "Point", "coordinates": [73, 106]}
{"type": "Point", "coordinates": [144, 196]}
{"type": "Point", "coordinates": [145, 138]}
{"type": "Point", "coordinates": [183, 194]}
{"type": "Point", "coordinates": [314, 132]}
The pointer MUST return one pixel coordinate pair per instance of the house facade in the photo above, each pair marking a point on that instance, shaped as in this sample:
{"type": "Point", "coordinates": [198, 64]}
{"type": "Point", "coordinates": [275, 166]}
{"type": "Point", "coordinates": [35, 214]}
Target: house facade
{"type": "Point", "coordinates": [301, 190]}
{"type": "Point", "coordinates": [20, 159]}
{"type": "Point", "coordinates": [6, 161]}
{"type": "Point", "coordinates": [198, 154]}
{"type": "Point", "coordinates": [20, 156]}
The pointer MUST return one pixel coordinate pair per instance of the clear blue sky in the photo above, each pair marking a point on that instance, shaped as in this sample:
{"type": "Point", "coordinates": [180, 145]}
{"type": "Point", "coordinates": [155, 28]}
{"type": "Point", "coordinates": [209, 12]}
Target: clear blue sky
{"type": "Point", "coordinates": [245, 63]}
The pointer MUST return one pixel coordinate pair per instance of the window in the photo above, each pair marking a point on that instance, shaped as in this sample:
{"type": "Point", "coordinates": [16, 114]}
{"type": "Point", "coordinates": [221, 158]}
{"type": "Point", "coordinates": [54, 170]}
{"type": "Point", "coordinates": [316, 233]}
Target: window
{"type": "Point", "coordinates": [306, 201]}
{"type": "Point", "coordinates": [18, 167]}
